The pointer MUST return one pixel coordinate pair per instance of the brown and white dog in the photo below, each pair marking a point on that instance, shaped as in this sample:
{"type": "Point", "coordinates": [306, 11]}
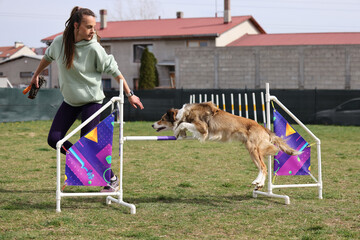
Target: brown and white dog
{"type": "Point", "coordinates": [206, 122]}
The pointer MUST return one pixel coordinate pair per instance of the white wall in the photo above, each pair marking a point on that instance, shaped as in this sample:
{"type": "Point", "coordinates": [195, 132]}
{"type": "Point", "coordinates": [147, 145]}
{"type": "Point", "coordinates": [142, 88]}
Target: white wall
{"type": "Point", "coordinates": [23, 51]}
{"type": "Point", "coordinates": [235, 33]}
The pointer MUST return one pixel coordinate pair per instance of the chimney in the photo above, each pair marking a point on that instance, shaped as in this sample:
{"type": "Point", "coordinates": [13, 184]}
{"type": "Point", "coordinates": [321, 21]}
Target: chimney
{"type": "Point", "coordinates": [19, 44]}
{"type": "Point", "coordinates": [103, 20]}
{"type": "Point", "coordinates": [227, 13]}
{"type": "Point", "coordinates": [179, 14]}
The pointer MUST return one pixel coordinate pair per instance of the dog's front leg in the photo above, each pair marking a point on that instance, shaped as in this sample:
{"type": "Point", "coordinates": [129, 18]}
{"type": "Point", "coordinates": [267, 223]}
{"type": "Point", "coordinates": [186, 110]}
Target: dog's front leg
{"type": "Point", "coordinates": [182, 127]}
{"type": "Point", "coordinates": [180, 134]}
{"type": "Point", "coordinates": [179, 131]}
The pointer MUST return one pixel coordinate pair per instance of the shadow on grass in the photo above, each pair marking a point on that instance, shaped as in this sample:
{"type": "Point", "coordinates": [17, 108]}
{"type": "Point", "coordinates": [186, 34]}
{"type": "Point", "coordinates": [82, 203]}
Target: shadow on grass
{"type": "Point", "coordinates": [36, 191]}
{"type": "Point", "coordinates": [25, 202]}
{"type": "Point", "coordinates": [191, 199]}
{"type": "Point", "coordinates": [20, 204]}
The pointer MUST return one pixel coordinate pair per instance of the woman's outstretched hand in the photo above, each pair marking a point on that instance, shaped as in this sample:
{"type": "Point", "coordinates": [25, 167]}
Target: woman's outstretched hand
{"type": "Point", "coordinates": [135, 102]}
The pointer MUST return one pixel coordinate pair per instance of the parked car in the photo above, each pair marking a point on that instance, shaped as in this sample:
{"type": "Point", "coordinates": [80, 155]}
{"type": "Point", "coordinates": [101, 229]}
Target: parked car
{"type": "Point", "coordinates": [347, 113]}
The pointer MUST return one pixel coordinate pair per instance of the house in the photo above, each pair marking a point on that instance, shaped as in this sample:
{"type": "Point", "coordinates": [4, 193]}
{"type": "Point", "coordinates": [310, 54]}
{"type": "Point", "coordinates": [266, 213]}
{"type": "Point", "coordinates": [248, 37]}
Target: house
{"type": "Point", "coordinates": [18, 70]}
{"type": "Point", "coordinates": [231, 52]}
{"type": "Point", "coordinates": [127, 39]}
{"type": "Point", "coordinates": [17, 63]}
{"type": "Point", "coordinates": [14, 51]}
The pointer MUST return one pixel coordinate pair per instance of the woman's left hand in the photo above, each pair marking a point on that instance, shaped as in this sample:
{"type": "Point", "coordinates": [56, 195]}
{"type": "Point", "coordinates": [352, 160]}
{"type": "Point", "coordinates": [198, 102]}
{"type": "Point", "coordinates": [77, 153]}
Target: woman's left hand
{"type": "Point", "coordinates": [135, 101]}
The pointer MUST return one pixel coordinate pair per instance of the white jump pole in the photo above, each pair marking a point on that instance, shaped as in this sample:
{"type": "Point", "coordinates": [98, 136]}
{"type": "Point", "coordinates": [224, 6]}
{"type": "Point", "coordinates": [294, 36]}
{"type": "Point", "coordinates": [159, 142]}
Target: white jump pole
{"type": "Point", "coordinates": [200, 98]}
{"type": "Point", "coordinates": [232, 103]}
{"type": "Point", "coordinates": [217, 101]}
{"type": "Point", "coordinates": [254, 106]}
{"type": "Point", "coordinates": [121, 150]}
{"type": "Point", "coordinates": [212, 98]}
{"type": "Point", "coordinates": [205, 97]}
{"type": "Point", "coordinates": [269, 193]}
{"type": "Point", "coordinates": [240, 104]}
{"type": "Point", "coordinates": [263, 107]}
{"type": "Point", "coordinates": [223, 100]}
{"type": "Point", "coordinates": [149, 138]}
{"type": "Point", "coordinates": [246, 106]}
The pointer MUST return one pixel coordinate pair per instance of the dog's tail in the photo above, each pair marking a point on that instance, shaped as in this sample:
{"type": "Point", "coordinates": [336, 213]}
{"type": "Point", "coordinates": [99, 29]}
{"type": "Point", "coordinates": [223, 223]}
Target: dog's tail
{"type": "Point", "coordinates": [281, 144]}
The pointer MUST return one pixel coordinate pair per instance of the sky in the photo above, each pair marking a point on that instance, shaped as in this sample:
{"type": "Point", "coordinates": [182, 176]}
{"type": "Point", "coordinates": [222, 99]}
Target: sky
{"type": "Point", "coordinates": [29, 21]}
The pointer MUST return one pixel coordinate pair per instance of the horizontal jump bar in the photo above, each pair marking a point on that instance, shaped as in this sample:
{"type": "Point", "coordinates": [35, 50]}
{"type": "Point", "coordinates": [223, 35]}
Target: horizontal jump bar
{"type": "Point", "coordinates": [86, 194]}
{"type": "Point", "coordinates": [150, 138]}
{"type": "Point", "coordinates": [155, 138]}
{"type": "Point", "coordinates": [297, 185]}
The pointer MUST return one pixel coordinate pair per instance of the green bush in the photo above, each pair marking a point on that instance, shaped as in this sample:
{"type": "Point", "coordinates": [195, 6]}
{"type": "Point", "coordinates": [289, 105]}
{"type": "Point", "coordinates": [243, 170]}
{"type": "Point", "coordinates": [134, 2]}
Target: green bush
{"type": "Point", "coordinates": [148, 71]}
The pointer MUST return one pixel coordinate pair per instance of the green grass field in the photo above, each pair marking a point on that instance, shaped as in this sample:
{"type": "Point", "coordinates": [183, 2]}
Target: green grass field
{"type": "Point", "coordinates": [182, 190]}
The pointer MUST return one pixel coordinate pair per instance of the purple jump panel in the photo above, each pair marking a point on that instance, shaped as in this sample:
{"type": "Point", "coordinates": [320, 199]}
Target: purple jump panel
{"type": "Point", "coordinates": [88, 161]}
{"type": "Point", "coordinates": [285, 164]}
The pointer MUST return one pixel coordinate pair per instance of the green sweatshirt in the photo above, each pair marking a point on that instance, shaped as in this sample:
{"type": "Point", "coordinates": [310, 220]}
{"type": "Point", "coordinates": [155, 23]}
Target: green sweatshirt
{"type": "Point", "coordinates": [81, 84]}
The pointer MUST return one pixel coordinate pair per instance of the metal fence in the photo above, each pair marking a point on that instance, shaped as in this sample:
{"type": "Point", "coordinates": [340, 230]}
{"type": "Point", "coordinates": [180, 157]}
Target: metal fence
{"type": "Point", "coordinates": [14, 106]}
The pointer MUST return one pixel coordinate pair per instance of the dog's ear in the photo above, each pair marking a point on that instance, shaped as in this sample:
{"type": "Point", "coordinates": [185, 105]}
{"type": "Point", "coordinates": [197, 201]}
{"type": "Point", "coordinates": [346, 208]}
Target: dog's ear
{"type": "Point", "coordinates": [171, 113]}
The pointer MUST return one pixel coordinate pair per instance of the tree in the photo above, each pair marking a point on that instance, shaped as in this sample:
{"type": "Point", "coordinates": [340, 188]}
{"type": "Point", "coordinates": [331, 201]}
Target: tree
{"type": "Point", "coordinates": [157, 83]}
{"type": "Point", "coordinates": [135, 10]}
{"type": "Point", "coordinates": [148, 72]}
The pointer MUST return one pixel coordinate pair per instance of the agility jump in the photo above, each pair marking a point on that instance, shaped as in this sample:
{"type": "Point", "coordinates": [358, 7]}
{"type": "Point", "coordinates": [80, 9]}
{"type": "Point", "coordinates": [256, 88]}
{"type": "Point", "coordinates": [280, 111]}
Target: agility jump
{"type": "Point", "coordinates": [318, 182]}
{"type": "Point", "coordinates": [117, 197]}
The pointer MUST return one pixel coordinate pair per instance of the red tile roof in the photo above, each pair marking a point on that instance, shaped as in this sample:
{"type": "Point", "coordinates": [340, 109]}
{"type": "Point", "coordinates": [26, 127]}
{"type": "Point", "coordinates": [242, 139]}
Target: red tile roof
{"type": "Point", "coordinates": [6, 52]}
{"type": "Point", "coordinates": [297, 39]}
{"type": "Point", "coordinates": [168, 28]}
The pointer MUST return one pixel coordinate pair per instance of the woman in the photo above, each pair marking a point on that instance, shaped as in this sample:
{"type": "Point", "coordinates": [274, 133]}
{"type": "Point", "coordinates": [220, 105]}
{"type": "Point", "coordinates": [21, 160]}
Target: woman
{"type": "Point", "coordinates": [81, 61]}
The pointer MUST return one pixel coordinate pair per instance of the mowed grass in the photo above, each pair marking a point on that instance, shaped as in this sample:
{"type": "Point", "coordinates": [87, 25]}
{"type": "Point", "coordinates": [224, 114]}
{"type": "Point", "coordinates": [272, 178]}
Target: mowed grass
{"type": "Point", "coordinates": [182, 190]}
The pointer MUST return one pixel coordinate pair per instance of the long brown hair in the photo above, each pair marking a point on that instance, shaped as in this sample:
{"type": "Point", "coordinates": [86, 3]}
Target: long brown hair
{"type": "Point", "coordinates": [69, 36]}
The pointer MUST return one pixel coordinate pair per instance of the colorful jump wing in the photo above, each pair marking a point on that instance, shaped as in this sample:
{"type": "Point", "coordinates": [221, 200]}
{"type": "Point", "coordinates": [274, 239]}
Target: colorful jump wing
{"type": "Point", "coordinates": [285, 164]}
{"type": "Point", "coordinates": [88, 161]}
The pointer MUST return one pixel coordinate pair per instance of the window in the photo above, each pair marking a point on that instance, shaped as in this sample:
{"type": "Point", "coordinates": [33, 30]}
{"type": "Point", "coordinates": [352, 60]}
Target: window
{"type": "Point", "coordinates": [25, 74]}
{"type": "Point", "coordinates": [106, 82]}
{"type": "Point", "coordinates": [171, 68]}
{"type": "Point", "coordinates": [203, 43]}
{"type": "Point", "coordinates": [350, 106]}
{"type": "Point", "coordinates": [138, 50]}
{"type": "Point", "coordinates": [197, 43]}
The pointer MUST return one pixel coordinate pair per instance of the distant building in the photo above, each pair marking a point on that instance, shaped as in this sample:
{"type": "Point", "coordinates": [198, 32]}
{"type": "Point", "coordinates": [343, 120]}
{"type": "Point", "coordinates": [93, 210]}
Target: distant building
{"type": "Point", "coordinates": [18, 70]}
{"type": "Point", "coordinates": [228, 52]}
{"type": "Point", "coordinates": [14, 51]}
{"type": "Point", "coordinates": [17, 63]}
{"type": "Point", "coordinates": [127, 39]}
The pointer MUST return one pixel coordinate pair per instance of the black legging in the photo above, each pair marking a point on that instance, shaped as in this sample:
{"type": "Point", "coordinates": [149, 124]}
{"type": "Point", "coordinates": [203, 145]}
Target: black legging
{"type": "Point", "coordinates": [64, 119]}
